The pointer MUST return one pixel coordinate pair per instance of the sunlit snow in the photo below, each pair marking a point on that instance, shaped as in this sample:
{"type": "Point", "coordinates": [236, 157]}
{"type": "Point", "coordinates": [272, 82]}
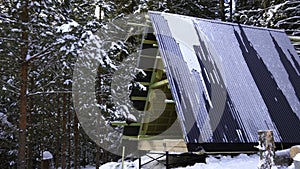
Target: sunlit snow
{"type": "Point", "coordinates": [213, 162]}
{"type": "Point", "coordinates": [67, 27]}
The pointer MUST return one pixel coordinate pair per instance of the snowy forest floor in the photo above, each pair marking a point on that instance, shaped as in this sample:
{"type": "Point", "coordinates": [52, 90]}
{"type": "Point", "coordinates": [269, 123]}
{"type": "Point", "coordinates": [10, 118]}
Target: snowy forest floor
{"type": "Point", "coordinates": [212, 162]}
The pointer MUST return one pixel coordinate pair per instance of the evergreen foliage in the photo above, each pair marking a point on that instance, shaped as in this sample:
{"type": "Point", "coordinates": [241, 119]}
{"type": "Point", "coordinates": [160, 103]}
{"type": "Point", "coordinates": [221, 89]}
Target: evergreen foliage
{"type": "Point", "coordinates": [58, 31]}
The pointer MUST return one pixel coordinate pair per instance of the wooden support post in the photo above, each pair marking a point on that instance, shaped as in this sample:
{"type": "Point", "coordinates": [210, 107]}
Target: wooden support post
{"type": "Point", "coordinates": [167, 160]}
{"type": "Point", "coordinates": [123, 157]}
{"type": "Point", "coordinates": [266, 149]}
{"type": "Point", "coordinates": [140, 162]}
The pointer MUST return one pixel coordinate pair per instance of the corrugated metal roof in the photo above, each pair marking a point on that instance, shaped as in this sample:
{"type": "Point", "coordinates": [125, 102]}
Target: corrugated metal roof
{"type": "Point", "coordinates": [230, 80]}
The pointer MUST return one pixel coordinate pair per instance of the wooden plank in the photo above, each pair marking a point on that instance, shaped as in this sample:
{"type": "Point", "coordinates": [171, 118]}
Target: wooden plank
{"type": "Point", "coordinates": [140, 98]}
{"type": "Point", "coordinates": [158, 125]}
{"type": "Point", "coordinates": [150, 42]}
{"type": "Point", "coordinates": [167, 101]}
{"type": "Point", "coordinates": [159, 74]}
{"type": "Point", "coordinates": [144, 128]}
{"type": "Point", "coordinates": [164, 142]}
{"type": "Point", "coordinates": [138, 24]}
{"type": "Point", "coordinates": [295, 38]}
{"type": "Point", "coordinates": [159, 84]}
{"type": "Point", "coordinates": [171, 145]}
{"type": "Point", "coordinates": [145, 83]}
{"type": "Point", "coordinates": [296, 43]}
{"type": "Point", "coordinates": [225, 152]}
{"type": "Point", "coordinates": [149, 56]}
{"type": "Point", "coordinates": [123, 123]}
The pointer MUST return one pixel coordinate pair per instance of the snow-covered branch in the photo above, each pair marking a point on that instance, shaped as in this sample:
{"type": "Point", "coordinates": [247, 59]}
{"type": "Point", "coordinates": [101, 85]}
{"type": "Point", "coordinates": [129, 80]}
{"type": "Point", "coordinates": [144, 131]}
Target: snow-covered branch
{"type": "Point", "coordinates": [50, 92]}
{"type": "Point", "coordinates": [42, 53]}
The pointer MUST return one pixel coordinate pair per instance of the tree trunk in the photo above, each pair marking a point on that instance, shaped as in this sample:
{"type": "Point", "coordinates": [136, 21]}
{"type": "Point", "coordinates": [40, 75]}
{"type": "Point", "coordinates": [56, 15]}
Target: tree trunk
{"type": "Point", "coordinates": [76, 141]}
{"type": "Point", "coordinates": [69, 131]}
{"type": "Point", "coordinates": [230, 10]}
{"type": "Point", "coordinates": [23, 88]}
{"type": "Point", "coordinates": [58, 132]}
{"type": "Point", "coordinates": [30, 130]}
{"type": "Point", "coordinates": [29, 144]}
{"type": "Point", "coordinates": [63, 141]}
{"type": "Point", "coordinates": [42, 142]}
{"type": "Point", "coordinates": [266, 149]}
{"type": "Point", "coordinates": [222, 10]}
{"type": "Point", "coordinates": [98, 151]}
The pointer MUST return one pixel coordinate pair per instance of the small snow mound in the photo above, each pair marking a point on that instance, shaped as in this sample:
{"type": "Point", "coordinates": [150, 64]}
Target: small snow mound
{"type": "Point", "coordinates": [227, 162]}
{"type": "Point", "coordinates": [116, 165]}
{"type": "Point", "coordinates": [291, 167]}
{"type": "Point", "coordinates": [47, 155]}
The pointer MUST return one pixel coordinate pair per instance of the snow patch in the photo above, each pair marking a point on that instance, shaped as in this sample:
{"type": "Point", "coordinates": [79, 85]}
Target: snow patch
{"type": "Point", "coordinates": [272, 12]}
{"type": "Point", "coordinates": [68, 81]}
{"type": "Point", "coordinates": [297, 157]}
{"type": "Point", "coordinates": [213, 162]}
{"type": "Point", "coordinates": [3, 119]}
{"type": "Point", "coordinates": [285, 152]}
{"type": "Point", "coordinates": [115, 165]}
{"type": "Point", "coordinates": [28, 57]}
{"type": "Point", "coordinates": [47, 155]}
{"type": "Point", "coordinates": [226, 162]}
{"type": "Point", "coordinates": [67, 27]}
{"type": "Point", "coordinates": [99, 14]}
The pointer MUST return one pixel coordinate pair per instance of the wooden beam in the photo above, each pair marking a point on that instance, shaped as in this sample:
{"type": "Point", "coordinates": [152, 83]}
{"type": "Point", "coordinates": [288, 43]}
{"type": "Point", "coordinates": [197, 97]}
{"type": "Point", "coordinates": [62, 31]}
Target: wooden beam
{"type": "Point", "coordinates": [296, 43]}
{"type": "Point", "coordinates": [144, 127]}
{"type": "Point", "coordinates": [225, 152]}
{"type": "Point", "coordinates": [149, 42]}
{"type": "Point", "coordinates": [171, 145]}
{"type": "Point", "coordinates": [145, 83]}
{"type": "Point", "coordinates": [159, 84]}
{"type": "Point", "coordinates": [140, 98]}
{"type": "Point", "coordinates": [138, 24]}
{"type": "Point", "coordinates": [167, 101]}
{"type": "Point", "coordinates": [295, 38]}
{"type": "Point", "coordinates": [123, 123]}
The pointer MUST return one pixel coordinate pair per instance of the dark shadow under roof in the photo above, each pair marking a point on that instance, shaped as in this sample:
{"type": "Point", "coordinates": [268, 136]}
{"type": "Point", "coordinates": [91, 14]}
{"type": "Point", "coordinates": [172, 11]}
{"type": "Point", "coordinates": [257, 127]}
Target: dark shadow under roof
{"type": "Point", "coordinates": [230, 80]}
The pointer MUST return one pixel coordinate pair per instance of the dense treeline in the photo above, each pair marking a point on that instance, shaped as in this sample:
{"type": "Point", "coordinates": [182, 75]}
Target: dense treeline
{"type": "Point", "coordinates": [40, 41]}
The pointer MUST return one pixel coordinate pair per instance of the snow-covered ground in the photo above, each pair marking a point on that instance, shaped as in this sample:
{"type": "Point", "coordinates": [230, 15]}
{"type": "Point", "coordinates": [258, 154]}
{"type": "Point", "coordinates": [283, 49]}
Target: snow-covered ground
{"type": "Point", "coordinates": [242, 161]}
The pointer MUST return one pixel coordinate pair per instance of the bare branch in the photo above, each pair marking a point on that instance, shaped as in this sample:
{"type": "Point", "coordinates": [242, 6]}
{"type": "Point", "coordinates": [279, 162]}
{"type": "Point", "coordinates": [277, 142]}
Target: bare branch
{"type": "Point", "coordinates": [42, 53]}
